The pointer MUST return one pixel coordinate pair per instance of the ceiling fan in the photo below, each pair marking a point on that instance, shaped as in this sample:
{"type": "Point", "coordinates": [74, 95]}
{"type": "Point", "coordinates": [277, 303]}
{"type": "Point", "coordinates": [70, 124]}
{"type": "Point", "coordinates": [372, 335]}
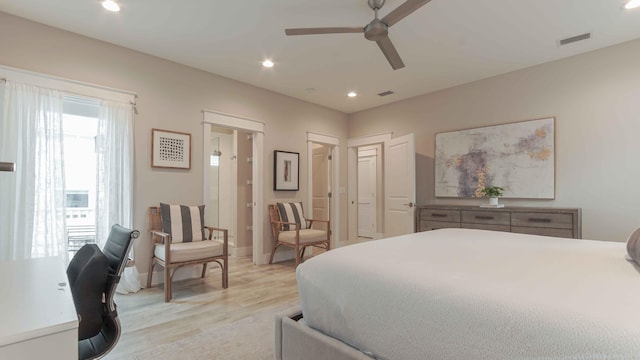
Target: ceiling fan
{"type": "Point", "coordinates": [377, 30]}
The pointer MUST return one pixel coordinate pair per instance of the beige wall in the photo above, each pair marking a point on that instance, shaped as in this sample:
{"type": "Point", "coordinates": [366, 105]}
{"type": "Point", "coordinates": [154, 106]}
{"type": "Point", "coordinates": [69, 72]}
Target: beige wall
{"type": "Point", "coordinates": [171, 96]}
{"type": "Point", "coordinates": [595, 98]}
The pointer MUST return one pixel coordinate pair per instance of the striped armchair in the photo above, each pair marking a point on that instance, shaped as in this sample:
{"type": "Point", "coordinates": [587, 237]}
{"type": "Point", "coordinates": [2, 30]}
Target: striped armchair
{"type": "Point", "coordinates": [180, 238]}
{"type": "Point", "coordinates": [290, 228]}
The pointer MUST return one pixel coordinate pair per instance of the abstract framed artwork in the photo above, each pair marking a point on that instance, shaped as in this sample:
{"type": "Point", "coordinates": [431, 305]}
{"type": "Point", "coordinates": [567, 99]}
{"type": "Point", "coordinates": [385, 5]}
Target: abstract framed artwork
{"type": "Point", "coordinates": [519, 156]}
{"type": "Point", "coordinates": [170, 149]}
{"type": "Point", "coordinates": [286, 170]}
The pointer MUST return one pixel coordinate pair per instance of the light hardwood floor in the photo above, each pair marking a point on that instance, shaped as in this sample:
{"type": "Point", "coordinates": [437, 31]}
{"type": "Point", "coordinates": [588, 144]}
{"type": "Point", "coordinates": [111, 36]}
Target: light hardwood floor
{"type": "Point", "coordinates": [147, 321]}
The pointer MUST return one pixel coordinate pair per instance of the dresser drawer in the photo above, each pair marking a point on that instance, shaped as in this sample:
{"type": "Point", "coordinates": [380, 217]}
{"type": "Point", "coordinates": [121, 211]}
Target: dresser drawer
{"type": "Point", "coordinates": [542, 220]}
{"type": "Point", "coordinates": [492, 227]}
{"type": "Point", "coordinates": [439, 215]}
{"type": "Point", "coordinates": [564, 233]}
{"type": "Point", "coordinates": [433, 225]}
{"type": "Point", "coordinates": [486, 217]}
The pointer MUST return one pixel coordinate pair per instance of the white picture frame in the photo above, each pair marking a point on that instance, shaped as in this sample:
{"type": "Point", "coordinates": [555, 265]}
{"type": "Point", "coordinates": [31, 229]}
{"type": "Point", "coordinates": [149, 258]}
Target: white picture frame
{"type": "Point", "coordinates": [170, 149]}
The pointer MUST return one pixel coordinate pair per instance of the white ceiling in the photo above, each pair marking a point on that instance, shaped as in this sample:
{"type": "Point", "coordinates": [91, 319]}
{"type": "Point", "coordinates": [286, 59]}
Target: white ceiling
{"type": "Point", "coordinates": [443, 44]}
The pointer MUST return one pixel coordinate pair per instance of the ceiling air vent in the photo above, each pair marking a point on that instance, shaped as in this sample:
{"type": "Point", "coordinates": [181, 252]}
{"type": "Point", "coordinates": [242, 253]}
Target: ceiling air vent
{"type": "Point", "coordinates": [575, 38]}
{"type": "Point", "coordinates": [385, 93]}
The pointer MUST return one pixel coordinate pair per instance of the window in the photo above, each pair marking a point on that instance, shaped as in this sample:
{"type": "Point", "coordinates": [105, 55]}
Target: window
{"type": "Point", "coordinates": [80, 126]}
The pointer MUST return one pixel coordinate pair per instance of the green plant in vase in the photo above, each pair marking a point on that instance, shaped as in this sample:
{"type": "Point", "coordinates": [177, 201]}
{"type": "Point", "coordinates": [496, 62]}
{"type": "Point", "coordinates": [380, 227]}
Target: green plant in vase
{"type": "Point", "coordinates": [493, 193]}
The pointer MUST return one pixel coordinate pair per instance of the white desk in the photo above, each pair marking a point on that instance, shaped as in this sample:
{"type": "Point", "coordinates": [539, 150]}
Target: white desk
{"type": "Point", "coordinates": [37, 317]}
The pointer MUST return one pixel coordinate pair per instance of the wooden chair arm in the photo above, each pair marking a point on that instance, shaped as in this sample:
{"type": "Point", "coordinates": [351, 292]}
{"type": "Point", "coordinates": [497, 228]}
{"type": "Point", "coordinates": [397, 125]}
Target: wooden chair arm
{"type": "Point", "coordinates": [318, 220]}
{"type": "Point", "coordinates": [311, 221]}
{"type": "Point", "coordinates": [155, 234]}
{"type": "Point", "coordinates": [212, 229]}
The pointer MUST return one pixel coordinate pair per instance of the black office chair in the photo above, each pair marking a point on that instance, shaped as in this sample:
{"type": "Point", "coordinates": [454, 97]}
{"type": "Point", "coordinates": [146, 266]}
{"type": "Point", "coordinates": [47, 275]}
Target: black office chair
{"type": "Point", "coordinates": [93, 276]}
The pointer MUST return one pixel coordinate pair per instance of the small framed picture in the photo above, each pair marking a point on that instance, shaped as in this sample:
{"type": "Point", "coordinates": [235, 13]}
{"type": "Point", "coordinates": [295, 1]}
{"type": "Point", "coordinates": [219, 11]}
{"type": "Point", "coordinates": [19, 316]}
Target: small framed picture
{"type": "Point", "coordinates": [170, 149]}
{"type": "Point", "coordinates": [286, 170]}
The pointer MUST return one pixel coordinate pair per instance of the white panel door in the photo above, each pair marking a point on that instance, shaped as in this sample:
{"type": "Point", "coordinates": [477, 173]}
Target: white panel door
{"type": "Point", "coordinates": [367, 196]}
{"type": "Point", "coordinates": [400, 185]}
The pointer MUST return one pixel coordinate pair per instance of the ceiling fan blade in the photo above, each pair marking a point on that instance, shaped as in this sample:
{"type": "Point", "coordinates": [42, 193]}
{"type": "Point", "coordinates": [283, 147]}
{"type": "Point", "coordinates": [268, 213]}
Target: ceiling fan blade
{"type": "Point", "coordinates": [324, 30]}
{"type": "Point", "coordinates": [403, 11]}
{"type": "Point", "coordinates": [390, 53]}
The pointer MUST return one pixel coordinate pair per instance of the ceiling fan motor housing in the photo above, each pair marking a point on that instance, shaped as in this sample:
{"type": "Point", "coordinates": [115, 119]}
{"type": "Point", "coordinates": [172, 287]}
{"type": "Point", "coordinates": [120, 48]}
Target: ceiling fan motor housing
{"type": "Point", "coordinates": [376, 30]}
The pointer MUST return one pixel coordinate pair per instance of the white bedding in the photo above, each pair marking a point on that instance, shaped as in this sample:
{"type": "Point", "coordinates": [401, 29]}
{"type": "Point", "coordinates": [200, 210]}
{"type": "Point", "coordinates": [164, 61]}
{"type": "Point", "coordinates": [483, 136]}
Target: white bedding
{"type": "Point", "coordinates": [473, 294]}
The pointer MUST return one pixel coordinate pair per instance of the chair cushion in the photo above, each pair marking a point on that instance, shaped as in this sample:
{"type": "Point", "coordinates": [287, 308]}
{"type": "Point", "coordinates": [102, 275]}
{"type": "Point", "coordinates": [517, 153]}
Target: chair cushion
{"type": "Point", "coordinates": [292, 212]}
{"type": "Point", "coordinates": [306, 236]}
{"type": "Point", "coordinates": [187, 251]}
{"type": "Point", "coordinates": [184, 223]}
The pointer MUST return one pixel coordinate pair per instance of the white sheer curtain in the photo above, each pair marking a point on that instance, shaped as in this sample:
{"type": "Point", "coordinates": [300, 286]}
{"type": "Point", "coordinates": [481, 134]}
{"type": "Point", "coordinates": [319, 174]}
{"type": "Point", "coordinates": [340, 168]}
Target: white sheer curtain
{"type": "Point", "coordinates": [32, 220]}
{"type": "Point", "coordinates": [114, 178]}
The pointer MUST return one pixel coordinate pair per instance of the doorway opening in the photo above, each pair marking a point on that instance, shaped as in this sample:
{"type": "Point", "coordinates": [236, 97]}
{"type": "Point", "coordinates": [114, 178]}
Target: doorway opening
{"type": "Point", "coordinates": [381, 186]}
{"type": "Point", "coordinates": [229, 198]}
{"type": "Point", "coordinates": [324, 179]}
{"type": "Point", "coordinates": [233, 181]}
{"type": "Point", "coordinates": [370, 192]}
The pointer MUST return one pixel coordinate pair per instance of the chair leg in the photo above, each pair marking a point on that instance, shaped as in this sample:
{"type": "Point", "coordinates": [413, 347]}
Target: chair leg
{"type": "Point", "coordinates": [150, 273]}
{"type": "Point", "coordinates": [167, 284]}
{"type": "Point", "coordinates": [204, 269]}
{"type": "Point", "coordinates": [225, 273]}
{"type": "Point", "coordinates": [298, 256]}
{"type": "Point", "coordinates": [273, 251]}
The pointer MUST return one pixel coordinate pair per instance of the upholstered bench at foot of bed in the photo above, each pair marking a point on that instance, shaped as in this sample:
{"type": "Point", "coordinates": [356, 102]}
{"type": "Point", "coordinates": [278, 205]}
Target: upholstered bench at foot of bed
{"type": "Point", "coordinates": [295, 340]}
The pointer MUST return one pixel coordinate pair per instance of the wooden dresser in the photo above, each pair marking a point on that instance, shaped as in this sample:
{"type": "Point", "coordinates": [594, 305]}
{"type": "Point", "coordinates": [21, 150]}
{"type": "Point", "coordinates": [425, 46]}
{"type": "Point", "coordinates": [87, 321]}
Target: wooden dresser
{"type": "Point", "coordinates": [560, 222]}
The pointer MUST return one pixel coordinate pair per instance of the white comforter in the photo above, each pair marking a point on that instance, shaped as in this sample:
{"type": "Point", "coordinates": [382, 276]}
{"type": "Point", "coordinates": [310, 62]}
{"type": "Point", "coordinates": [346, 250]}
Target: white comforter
{"type": "Point", "coordinates": [473, 294]}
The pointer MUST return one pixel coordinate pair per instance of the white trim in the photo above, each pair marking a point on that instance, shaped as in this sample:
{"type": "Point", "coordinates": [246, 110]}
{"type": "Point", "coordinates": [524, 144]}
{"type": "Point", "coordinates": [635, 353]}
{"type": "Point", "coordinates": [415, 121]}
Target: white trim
{"type": "Point", "coordinates": [369, 140]}
{"type": "Point", "coordinates": [369, 152]}
{"type": "Point", "coordinates": [66, 85]}
{"type": "Point", "coordinates": [232, 121]}
{"type": "Point", "coordinates": [322, 139]}
{"type": "Point", "coordinates": [257, 168]}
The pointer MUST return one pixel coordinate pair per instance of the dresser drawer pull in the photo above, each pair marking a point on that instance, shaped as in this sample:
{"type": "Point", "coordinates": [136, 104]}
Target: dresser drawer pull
{"type": "Point", "coordinates": [540, 220]}
{"type": "Point", "coordinates": [481, 217]}
{"type": "Point", "coordinates": [438, 215]}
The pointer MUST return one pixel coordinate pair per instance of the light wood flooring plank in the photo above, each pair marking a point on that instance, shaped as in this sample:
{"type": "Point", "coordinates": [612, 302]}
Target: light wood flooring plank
{"type": "Point", "coordinates": [147, 321]}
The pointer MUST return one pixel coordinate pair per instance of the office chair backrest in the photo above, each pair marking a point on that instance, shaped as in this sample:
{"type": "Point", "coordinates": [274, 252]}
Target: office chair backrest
{"type": "Point", "coordinates": [87, 274]}
{"type": "Point", "coordinates": [93, 277]}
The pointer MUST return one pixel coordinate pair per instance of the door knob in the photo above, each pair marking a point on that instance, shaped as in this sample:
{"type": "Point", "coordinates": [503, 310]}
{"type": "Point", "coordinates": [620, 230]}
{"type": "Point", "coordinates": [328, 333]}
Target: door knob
{"type": "Point", "coordinates": [410, 204]}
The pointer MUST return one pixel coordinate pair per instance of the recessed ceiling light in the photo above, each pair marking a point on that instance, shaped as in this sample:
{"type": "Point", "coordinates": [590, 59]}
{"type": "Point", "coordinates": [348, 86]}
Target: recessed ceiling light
{"type": "Point", "coordinates": [110, 5]}
{"type": "Point", "coordinates": [632, 4]}
{"type": "Point", "coordinates": [267, 63]}
{"type": "Point", "coordinates": [352, 94]}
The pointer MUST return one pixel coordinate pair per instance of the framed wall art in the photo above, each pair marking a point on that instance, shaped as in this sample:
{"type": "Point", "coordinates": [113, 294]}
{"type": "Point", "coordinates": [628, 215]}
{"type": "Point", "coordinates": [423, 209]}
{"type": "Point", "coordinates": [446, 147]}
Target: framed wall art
{"type": "Point", "coordinates": [170, 149]}
{"type": "Point", "coordinates": [286, 170]}
{"type": "Point", "coordinates": [520, 157]}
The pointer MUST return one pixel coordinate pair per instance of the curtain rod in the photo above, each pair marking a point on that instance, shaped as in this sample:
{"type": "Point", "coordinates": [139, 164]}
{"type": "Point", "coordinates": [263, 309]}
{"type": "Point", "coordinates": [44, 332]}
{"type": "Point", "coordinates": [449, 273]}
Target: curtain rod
{"type": "Point", "coordinates": [71, 81]}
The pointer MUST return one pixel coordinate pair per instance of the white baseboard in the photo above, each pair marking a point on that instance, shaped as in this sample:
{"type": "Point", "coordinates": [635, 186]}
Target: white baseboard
{"type": "Point", "coordinates": [282, 254]}
{"type": "Point", "coordinates": [242, 251]}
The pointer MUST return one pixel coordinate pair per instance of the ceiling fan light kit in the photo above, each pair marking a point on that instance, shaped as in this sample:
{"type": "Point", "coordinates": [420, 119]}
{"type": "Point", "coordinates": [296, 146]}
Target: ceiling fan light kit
{"type": "Point", "coordinates": [377, 30]}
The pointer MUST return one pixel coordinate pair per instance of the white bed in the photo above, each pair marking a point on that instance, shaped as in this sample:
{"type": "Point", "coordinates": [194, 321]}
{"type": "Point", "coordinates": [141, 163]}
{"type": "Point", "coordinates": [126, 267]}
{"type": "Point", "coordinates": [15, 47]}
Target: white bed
{"type": "Point", "coordinates": [472, 294]}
